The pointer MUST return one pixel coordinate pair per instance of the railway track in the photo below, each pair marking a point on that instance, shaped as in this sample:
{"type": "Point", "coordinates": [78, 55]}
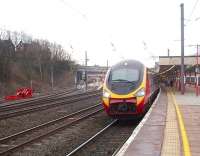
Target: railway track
{"type": "Point", "coordinates": [38, 101]}
{"type": "Point", "coordinates": [41, 98]}
{"type": "Point", "coordinates": [17, 110]}
{"type": "Point", "coordinates": [1, 100]}
{"type": "Point", "coordinates": [106, 141]}
{"type": "Point", "coordinates": [17, 141]}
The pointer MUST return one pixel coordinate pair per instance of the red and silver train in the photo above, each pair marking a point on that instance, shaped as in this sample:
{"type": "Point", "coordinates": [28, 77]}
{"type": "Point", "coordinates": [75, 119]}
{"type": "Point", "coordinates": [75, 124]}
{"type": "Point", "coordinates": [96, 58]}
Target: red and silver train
{"type": "Point", "coordinates": [128, 90]}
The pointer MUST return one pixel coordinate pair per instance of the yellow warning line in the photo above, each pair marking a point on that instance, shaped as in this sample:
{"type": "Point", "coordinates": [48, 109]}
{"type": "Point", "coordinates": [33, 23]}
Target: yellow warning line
{"type": "Point", "coordinates": [171, 140]}
{"type": "Point", "coordinates": [186, 146]}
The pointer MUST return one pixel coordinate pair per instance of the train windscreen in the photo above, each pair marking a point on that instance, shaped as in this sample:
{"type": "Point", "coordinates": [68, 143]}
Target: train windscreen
{"type": "Point", "coordinates": [129, 75]}
{"type": "Point", "coordinates": [124, 79]}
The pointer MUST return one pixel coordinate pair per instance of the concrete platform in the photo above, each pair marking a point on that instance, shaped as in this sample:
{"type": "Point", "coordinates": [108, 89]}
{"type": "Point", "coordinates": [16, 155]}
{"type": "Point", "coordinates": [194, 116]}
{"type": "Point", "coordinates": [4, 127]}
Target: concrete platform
{"type": "Point", "coordinates": [189, 105]}
{"type": "Point", "coordinates": [148, 141]}
{"type": "Point", "coordinates": [171, 128]}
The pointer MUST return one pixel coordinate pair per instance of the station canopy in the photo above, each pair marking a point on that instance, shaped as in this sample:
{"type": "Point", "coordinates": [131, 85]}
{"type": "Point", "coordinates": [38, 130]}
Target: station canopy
{"type": "Point", "coordinates": [169, 64]}
{"type": "Point", "coordinates": [176, 60]}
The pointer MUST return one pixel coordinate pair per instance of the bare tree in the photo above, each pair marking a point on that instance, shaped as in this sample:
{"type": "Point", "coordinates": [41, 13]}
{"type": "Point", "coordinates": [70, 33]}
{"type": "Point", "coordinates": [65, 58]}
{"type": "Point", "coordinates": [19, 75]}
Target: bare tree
{"type": "Point", "coordinates": [15, 37]}
{"type": "Point", "coordinates": [38, 60]}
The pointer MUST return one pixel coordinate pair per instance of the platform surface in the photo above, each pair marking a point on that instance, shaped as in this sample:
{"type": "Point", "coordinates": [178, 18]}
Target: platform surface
{"type": "Point", "coordinates": [172, 128]}
{"type": "Point", "coordinates": [189, 105]}
{"type": "Point", "coordinates": [148, 141]}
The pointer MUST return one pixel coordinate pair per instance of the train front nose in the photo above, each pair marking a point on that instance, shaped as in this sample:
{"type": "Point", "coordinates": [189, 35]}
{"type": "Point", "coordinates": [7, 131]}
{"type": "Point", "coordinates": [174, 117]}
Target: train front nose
{"type": "Point", "coordinates": [122, 106]}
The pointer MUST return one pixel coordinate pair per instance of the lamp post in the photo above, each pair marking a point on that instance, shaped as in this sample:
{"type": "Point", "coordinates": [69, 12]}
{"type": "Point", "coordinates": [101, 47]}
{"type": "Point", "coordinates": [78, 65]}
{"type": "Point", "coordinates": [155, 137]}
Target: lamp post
{"type": "Point", "coordinates": [86, 60]}
{"type": "Point", "coordinates": [182, 49]}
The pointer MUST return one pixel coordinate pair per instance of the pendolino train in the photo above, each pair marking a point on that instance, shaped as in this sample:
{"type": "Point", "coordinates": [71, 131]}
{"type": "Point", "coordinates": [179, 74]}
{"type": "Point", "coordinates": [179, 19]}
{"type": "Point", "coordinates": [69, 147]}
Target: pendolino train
{"type": "Point", "coordinates": [129, 89]}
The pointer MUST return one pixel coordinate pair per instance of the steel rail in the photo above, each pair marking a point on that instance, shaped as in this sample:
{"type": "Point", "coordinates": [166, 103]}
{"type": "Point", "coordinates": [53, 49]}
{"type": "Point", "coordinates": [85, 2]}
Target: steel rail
{"type": "Point", "coordinates": [33, 103]}
{"type": "Point", "coordinates": [33, 100]}
{"type": "Point", "coordinates": [92, 138]}
{"type": "Point", "coordinates": [5, 105]}
{"type": "Point", "coordinates": [2, 140]}
{"type": "Point", "coordinates": [44, 107]}
{"type": "Point", "coordinates": [51, 132]}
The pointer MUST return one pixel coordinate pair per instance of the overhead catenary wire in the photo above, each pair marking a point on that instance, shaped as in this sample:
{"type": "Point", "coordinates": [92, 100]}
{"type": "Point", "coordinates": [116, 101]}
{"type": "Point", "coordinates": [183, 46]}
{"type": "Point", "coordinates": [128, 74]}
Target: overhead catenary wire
{"type": "Point", "coordinates": [192, 12]}
{"type": "Point", "coordinates": [151, 54]}
{"type": "Point", "coordinates": [84, 16]}
{"type": "Point", "coordinates": [194, 7]}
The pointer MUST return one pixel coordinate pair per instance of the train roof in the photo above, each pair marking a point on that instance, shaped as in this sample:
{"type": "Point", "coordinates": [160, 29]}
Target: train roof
{"type": "Point", "coordinates": [133, 63]}
{"type": "Point", "coordinates": [128, 63]}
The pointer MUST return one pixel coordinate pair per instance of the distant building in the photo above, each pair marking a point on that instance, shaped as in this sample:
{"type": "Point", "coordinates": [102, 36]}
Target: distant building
{"type": "Point", "coordinates": [94, 73]}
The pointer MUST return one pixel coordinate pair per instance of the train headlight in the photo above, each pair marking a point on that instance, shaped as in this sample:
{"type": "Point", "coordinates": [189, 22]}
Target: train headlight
{"type": "Point", "coordinates": [106, 94]}
{"type": "Point", "coordinates": [141, 92]}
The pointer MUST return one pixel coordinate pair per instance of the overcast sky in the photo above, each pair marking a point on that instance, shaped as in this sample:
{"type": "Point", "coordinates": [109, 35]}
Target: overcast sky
{"type": "Point", "coordinates": [107, 29]}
